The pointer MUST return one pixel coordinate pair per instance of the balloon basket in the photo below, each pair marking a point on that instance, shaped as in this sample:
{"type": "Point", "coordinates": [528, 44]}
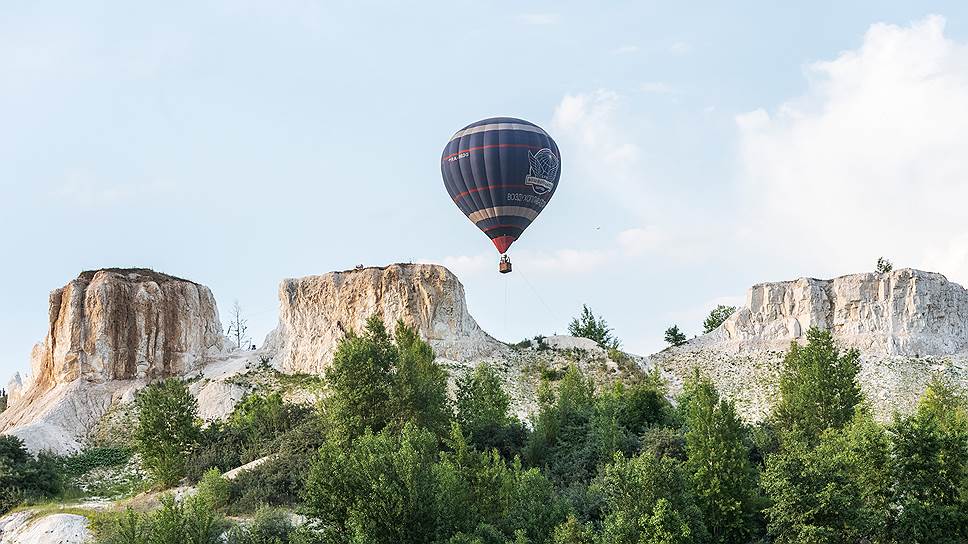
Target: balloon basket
{"type": "Point", "coordinates": [505, 265]}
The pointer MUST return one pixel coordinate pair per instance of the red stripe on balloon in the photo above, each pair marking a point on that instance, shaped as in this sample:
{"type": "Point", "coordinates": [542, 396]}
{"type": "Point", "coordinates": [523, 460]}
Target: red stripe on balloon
{"type": "Point", "coordinates": [501, 227]}
{"type": "Point", "coordinates": [480, 147]}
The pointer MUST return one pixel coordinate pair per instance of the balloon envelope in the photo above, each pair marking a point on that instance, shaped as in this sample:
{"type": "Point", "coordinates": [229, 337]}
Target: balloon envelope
{"type": "Point", "coordinates": [501, 172]}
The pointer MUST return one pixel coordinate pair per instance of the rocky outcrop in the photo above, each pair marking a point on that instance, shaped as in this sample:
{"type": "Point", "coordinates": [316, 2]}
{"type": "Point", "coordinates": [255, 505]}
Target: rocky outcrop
{"type": "Point", "coordinates": [904, 312]}
{"type": "Point", "coordinates": [908, 325]}
{"type": "Point", "coordinates": [109, 331]}
{"type": "Point", "coordinates": [315, 312]}
{"type": "Point", "coordinates": [122, 324]}
{"type": "Point", "coordinates": [28, 528]}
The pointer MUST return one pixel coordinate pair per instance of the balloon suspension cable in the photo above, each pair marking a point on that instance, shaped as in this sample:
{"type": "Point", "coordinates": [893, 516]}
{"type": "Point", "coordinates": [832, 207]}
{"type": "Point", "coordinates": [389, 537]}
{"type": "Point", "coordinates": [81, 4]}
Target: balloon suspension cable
{"type": "Point", "coordinates": [507, 284]}
{"type": "Point", "coordinates": [551, 313]}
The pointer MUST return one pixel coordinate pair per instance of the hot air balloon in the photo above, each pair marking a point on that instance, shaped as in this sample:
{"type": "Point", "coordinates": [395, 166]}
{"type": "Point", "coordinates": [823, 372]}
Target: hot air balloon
{"type": "Point", "coordinates": [501, 173]}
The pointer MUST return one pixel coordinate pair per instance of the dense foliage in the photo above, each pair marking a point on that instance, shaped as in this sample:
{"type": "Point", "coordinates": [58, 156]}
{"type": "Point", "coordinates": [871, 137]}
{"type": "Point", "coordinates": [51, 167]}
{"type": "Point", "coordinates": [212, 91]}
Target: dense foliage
{"type": "Point", "coordinates": [25, 476]}
{"type": "Point", "coordinates": [168, 429]}
{"type": "Point", "coordinates": [386, 457]}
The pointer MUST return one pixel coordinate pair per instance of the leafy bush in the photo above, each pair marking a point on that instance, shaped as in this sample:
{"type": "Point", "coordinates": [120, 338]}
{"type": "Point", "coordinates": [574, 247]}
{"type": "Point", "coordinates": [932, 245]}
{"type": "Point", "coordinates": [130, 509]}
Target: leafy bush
{"type": "Point", "coordinates": [190, 521]}
{"type": "Point", "coordinates": [270, 526]}
{"type": "Point", "coordinates": [92, 458]}
{"type": "Point", "coordinates": [649, 499]}
{"type": "Point", "coordinates": [168, 429]}
{"type": "Point", "coordinates": [24, 476]}
{"type": "Point", "coordinates": [280, 480]}
{"type": "Point", "coordinates": [483, 412]}
{"type": "Point", "coordinates": [214, 490]}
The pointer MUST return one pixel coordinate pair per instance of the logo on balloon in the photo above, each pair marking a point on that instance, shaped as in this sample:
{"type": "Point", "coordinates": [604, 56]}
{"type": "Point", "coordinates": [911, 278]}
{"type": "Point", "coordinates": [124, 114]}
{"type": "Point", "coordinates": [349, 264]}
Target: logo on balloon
{"type": "Point", "coordinates": [544, 168]}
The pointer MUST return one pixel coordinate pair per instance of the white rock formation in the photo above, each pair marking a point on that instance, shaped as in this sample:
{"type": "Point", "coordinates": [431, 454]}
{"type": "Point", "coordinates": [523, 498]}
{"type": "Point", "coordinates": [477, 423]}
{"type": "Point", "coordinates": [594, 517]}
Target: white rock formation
{"type": "Point", "coordinates": [315, 312]}
{"type": "Point", "coordinates": [110, 331]}
{"type": "Point", "coordinates": [25, 528]}
{"type": "Point", "coordinates": [907, 325]}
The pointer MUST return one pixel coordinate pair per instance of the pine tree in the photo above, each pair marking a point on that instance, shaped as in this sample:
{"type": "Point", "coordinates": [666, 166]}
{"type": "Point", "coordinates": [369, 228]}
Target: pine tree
{"type": "Point", "coordinates": [718, 462]}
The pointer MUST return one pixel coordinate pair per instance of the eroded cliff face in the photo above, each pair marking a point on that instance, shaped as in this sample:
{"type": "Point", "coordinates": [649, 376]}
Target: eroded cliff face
{"type": "Point", "coordinates": [315, 312]}
{"type": "Point", "coordinates": [109, 332]}
{"type": "Point", "coordinates": [122, 324]}
{"type": "Point", "coordinates": [908, 326]}
{"type": "Point", "coordinates": [904, 312]}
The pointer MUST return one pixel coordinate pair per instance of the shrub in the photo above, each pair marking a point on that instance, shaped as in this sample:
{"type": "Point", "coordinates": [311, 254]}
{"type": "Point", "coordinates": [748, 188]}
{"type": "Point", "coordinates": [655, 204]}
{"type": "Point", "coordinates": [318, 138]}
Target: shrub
{"type": "Point", "coordinates": [168, 429]}
{"type": "Point", "coordinates": [270, 526]}
{"type": "Point", "coordinates": [190, 521]}
{"type": "Point", "coordinates": [23, 476]}
{"type": "Point", "coordinates": [214, 490]}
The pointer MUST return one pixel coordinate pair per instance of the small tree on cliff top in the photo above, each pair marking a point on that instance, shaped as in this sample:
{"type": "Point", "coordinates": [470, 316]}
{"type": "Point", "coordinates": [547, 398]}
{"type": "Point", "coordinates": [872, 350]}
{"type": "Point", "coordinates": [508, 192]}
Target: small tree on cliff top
{"type": "Point", "coordinates": [588, 325]}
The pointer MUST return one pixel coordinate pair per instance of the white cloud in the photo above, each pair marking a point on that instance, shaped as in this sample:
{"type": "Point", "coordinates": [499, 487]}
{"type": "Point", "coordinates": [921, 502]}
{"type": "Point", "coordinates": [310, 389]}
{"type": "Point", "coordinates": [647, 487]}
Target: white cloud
{"type": "Point", "coordinates": [871, 159]}
{"type": "Point", "coordinates": [638, 241]}
{"type": "Point", "coordinates": [628, 244]}
{"type": "Point", "coordinates": [538, 18]}
{"type": "Point", "coordinates": [466, 265]}
{"type": "Point", "coordinates": [587, 126]}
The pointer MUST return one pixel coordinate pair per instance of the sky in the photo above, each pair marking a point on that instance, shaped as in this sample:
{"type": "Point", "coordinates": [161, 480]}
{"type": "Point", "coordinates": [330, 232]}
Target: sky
{"type": "Point", "coordinates": [705, 147]}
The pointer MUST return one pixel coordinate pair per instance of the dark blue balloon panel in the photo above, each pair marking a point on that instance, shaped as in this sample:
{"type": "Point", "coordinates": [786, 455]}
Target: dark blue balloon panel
{"type": "Point", "coordinates": [501, 172]}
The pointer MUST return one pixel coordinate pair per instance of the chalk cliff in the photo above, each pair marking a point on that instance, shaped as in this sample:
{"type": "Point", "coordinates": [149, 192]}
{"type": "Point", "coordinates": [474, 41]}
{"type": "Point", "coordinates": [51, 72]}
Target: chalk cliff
{"type": "Point", "coordinates": [108, 330]}
{"type": "Point", "coordinates": [316, 311]}
{"type": "Point", "coordinates": [907, 324]}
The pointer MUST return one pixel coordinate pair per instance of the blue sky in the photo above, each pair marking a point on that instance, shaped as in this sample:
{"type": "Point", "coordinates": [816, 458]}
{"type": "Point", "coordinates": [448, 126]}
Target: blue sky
{"type": "Point", "coordinates": [704, 148]}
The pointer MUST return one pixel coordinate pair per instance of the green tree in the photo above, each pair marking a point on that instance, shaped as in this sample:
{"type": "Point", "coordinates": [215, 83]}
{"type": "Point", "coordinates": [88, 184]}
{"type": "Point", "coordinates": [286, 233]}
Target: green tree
{"type": "Point", "coordinates": [716, 317]}
{"type": "Point", "coordinates": [930, 454]}
{"type": "Point", "coordinates": [484, 412]}
{"type": "Point", "coordinates": [718, 463]}
{"type": "Point", "coordinates": [360, 380]}
{"type": "Point", "coordinates": [649, 500]}
{"type": "Point", "coordinates": [562, 442]}
{"type": "Point", "coordinates": [818, 387]}
{"type": "Point", "coordinates": [836, 492]}
{"type": "Point", "coordinates": [24, 476]}
{"type": "Point", "coordinates": [420, 385]}
{"type": "Point", "coordinates": [588, 325]}
{"type": "Point", "coordinates": [675, 337]}
{"type": "Point", "coordinates": [3, 400]}
{"type": "Point", "coordinates": [380, 489]}
{"type": "Point", "coordinates": [375, 381]}
{"type": "Point", "coordinates": [168, 429]}
{"type": "Point", "coordinates": [883, 265]}
{"type": "Point", "coordinates": [573, 531]}
{"type": "Point", "coordinates": [481, 489]}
